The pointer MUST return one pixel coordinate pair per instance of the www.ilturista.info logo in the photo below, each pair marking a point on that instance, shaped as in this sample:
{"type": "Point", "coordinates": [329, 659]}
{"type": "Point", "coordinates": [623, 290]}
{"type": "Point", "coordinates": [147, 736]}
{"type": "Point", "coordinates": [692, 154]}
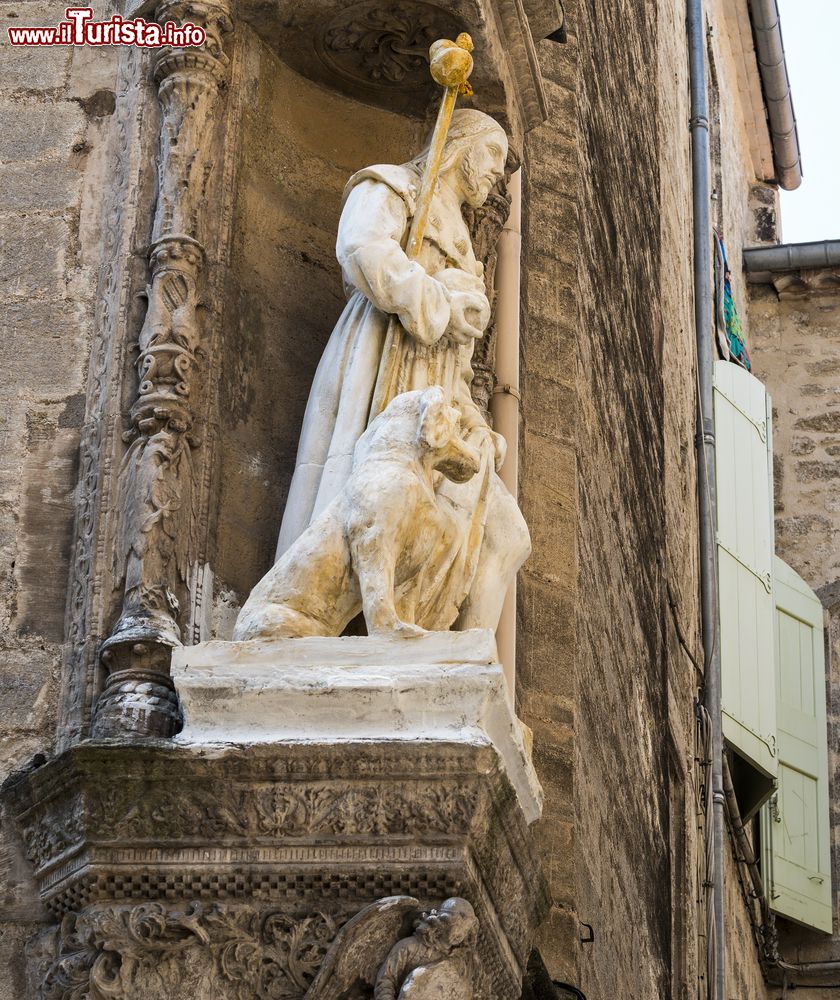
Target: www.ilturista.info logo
{"type": "Point", "coordinates": [81, 29]}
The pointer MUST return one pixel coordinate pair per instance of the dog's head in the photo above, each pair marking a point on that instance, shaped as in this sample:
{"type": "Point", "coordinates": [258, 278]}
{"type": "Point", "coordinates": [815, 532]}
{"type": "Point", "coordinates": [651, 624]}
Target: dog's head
{"type": "Point", "coordinates": [440, 434]}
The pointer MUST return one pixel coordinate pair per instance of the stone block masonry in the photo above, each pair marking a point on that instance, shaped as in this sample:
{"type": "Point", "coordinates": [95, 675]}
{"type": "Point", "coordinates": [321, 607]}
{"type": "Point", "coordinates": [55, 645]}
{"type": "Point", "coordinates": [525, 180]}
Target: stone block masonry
{"type": "Point", "coordinates": [55, 119]}
{"type": "Point", "coordinates": [55, 116]}
{"type": "Point", "coordinates": [797, 347]}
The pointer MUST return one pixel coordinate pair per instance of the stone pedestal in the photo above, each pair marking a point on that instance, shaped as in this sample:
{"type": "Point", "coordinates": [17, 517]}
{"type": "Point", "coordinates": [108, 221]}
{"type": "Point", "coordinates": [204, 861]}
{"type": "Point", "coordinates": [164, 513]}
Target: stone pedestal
{"type": "Point", "coordinates": [442, 688]}
{"type": "Point", "coordinates": [224, 863]}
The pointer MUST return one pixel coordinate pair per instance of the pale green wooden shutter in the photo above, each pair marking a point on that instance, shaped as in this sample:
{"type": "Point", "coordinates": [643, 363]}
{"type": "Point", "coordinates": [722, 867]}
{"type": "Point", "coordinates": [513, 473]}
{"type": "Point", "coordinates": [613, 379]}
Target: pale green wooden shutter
{"type": "Point", "coordinates": [795, 824]}
{"type": "Point", "coordinates": [744, 482]}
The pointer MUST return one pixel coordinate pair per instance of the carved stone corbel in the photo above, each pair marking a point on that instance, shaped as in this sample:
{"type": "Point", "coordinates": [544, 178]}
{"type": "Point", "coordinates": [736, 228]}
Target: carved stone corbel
{"type": "Point", "coordinates": [174, 872]}
{"type": "Point", "coordinates": [155, 539]}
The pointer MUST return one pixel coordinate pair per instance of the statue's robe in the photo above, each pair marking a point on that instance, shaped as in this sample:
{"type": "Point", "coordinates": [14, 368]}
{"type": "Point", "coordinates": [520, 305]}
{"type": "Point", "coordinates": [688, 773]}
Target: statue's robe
{"type": "Point", "coordinates": [353, 383]}
{"type": "Point", "coordinates": [414, 969]}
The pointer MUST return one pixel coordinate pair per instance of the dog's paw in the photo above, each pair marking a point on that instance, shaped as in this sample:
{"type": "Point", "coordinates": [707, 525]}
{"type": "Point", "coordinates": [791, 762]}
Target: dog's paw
{"type": "Point", "coordinates": [407, 631]}
{"type": "Point", "coordinates": [402, 630]}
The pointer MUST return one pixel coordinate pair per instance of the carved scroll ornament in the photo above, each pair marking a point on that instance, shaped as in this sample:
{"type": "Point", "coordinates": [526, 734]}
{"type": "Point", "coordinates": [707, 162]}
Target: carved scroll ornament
{"type": "Point", "coordinates": [385, 45]}
{"type": "Point", "coordinates": [153, 950]}
{"type": "Point", "coordinates": [155, 543]}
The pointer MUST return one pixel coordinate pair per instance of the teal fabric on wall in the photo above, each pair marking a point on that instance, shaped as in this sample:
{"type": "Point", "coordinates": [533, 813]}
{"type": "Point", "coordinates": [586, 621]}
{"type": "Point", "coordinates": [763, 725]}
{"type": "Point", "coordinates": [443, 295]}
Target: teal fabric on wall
{"type": "Point", "coordinates": [731, 343]}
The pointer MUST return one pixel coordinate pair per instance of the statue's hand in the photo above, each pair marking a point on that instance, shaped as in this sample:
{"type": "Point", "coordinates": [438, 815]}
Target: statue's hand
{"type": "Point", "coordinates": [456, 280]}
{"type": "Point", "coordinates": [481, 435]}
{"type": "Point", "coordinates": [469, 308]}
{"type": "Point", "coordinates": [469, 316]}
{"type": "Point", "coordinates": [499, 450]}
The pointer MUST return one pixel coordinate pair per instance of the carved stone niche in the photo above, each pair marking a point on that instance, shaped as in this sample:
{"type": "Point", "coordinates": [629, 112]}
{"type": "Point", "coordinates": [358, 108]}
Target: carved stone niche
{"type": "Point", "coordinates": [377, 50]}
{"type": "Point", "coordinates": [193, 871]}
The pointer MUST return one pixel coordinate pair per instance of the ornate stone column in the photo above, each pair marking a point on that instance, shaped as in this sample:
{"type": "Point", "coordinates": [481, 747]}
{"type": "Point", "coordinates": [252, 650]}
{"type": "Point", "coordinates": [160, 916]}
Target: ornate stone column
{"type": "Point", "coordinates": [486, 224]}
{"type": "Point", "coordinates": [155, 537]}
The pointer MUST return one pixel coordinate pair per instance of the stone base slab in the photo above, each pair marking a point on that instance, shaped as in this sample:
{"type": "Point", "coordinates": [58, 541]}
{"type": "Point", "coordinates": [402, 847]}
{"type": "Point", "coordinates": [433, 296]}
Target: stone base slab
{"type": "Point", "coordinates": [445, 686]}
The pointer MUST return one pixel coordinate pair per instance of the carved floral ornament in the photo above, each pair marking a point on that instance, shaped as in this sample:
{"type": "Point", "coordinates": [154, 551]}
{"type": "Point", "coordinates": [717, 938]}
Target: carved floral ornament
{"type": "Point", "coordinates": [385, 45]}
{"type": "Point", "coordinates": [156, 950]}
{"type": "Point", "coordinates": [152, 950]}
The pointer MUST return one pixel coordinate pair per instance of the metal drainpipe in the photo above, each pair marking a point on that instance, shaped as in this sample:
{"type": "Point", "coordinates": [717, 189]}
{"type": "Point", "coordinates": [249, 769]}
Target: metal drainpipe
{"type": "Point", "coordinates": [701, 199]}
{"type": "Point", "coordinates": [811, 969]}
{"type": "Point", "coordinates": [791, 257]}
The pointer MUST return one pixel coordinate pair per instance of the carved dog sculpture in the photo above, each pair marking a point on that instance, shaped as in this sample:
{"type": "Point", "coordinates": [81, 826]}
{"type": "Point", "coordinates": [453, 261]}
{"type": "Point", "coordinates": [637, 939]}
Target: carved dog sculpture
{"type": "Point", "coordinates": [373, 541]}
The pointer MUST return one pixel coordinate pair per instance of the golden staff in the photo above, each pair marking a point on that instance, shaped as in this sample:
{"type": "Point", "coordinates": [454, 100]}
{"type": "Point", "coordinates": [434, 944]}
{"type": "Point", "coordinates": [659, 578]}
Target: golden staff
{"type": "Point", "coordinates": [450, 64]}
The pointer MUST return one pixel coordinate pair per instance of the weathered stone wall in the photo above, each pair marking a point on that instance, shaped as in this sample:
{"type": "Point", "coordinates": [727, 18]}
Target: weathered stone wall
{"type": "Point", "coordinates": [621, 786]}
{"type": "Point", "coordinates": [55, 107]}
{"type": "Point", "coordinates": [743, 974]}
{"type": "Point", "coordinates": [546, 618]}
{"type": "Point", "coordinates": [679, 596]}
{"type": "Point", "coordinates": [797, 355]}
{"type": "Point", "coordinates": [628, 560]}
{"type": "Point", "coordinates": [733, 176]}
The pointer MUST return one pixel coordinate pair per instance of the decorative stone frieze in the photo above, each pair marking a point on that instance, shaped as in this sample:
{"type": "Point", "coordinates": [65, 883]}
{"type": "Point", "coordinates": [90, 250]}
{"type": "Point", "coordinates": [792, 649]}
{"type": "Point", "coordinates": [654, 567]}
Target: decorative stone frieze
{"type": "Point", "coordinates": [216, 863]}
{"type": "Point", "coordinates": [157, 951]}
{"type": "Point", "coordinates": [155, 540]}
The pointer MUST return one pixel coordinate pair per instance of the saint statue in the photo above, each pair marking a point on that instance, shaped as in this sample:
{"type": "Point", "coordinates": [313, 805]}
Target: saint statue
{"type": "Point", "coordinates": [410, 324]}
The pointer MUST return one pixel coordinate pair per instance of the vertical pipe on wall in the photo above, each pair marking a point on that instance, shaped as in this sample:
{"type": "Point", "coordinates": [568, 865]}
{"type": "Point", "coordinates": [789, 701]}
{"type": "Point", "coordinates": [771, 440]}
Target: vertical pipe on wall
{"type": "Point", "coordinates": [504, 404]}
{"type": "Point", "coordinates": [703, 313]}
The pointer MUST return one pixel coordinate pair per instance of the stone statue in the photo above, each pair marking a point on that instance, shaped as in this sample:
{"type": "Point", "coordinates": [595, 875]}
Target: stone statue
{"type": "Point", "coordinates": [375, 949]}
{"type": "Point", "coordinates": [410, 324]}
{"type": "Point", "coordinates": [435, 960]}
{"type": "Point", "coordinates": [383, 538]}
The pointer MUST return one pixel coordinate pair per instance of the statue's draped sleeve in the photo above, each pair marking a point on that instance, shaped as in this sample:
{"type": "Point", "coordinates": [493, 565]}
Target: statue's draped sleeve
{"type": "Point", "coordinates": [373, 224]}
